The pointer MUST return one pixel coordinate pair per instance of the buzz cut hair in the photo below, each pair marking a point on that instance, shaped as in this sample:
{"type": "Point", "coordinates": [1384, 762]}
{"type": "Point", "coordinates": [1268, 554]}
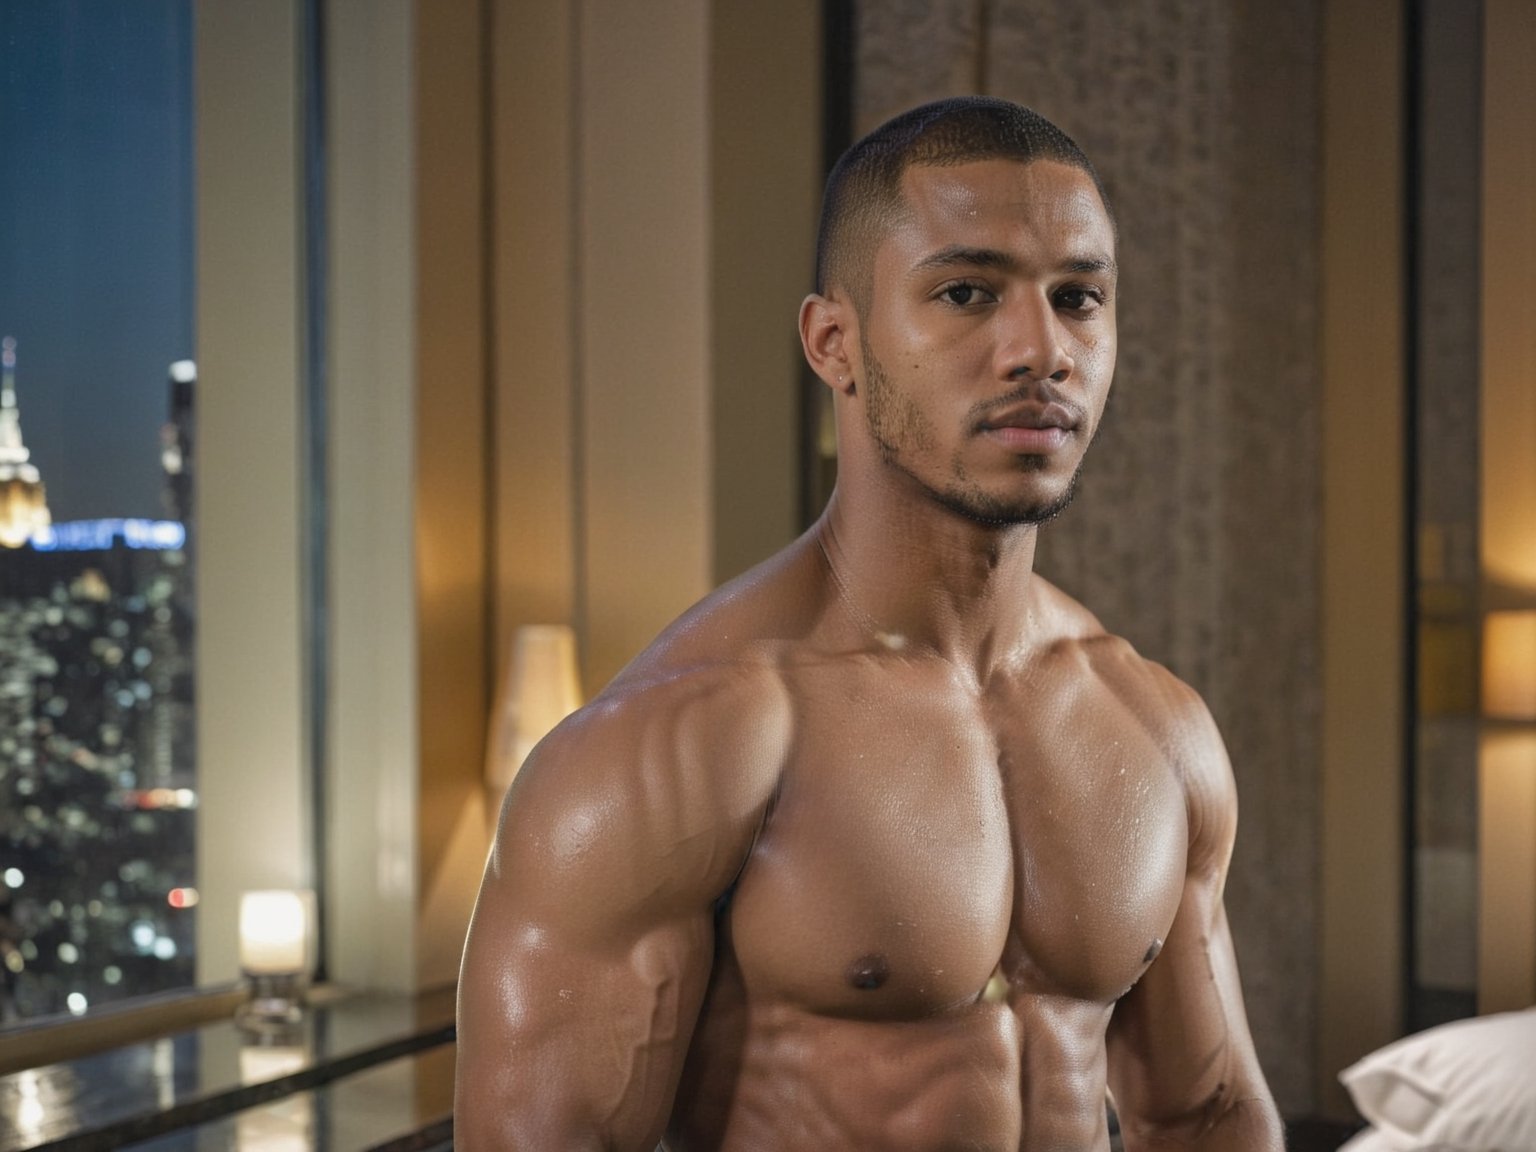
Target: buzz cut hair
{"type": "Point", "coordinates": [863, 193]}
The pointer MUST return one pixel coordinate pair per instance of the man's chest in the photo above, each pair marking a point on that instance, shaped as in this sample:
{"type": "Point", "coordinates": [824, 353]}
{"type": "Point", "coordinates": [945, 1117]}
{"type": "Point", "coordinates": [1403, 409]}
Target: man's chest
{"type": "Point", "coordinates": [922, 839]}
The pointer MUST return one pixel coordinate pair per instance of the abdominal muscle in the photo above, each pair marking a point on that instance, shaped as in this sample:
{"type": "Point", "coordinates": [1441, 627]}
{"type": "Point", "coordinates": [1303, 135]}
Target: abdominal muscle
{"type": "Point", "coordinates": [765, 1079]}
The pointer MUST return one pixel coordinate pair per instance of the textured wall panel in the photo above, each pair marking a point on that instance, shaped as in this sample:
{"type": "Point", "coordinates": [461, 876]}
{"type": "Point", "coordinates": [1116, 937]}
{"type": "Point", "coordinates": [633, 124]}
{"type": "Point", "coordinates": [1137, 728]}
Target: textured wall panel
{"type": "Point", "coordinates": [1195, 535]}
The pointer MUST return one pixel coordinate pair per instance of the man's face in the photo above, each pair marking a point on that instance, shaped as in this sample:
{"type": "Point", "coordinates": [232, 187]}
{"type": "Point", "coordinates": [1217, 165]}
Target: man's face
{"type": "Point", "coordinates": [988, 337]}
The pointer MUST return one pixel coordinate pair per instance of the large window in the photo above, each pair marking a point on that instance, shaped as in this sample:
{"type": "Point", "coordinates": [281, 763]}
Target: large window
{"type": "Point", "coordinates": [98, 788]}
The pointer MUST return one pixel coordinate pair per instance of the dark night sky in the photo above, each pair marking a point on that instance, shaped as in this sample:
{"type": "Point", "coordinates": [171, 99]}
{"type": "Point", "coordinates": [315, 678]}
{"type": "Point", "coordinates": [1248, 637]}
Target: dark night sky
{"type": "Point", "coordinates": [96, 238]}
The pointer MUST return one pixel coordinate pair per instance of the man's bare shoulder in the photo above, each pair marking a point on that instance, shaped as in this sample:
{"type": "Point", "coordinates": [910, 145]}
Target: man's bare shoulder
{"type": "Point", "coordinates": [691, 711]}
{"type": "Point", "coordinates": [1171, 711]}
{"type": "Point", "coordinates": [686, 743]}
{"type": "Point", "coordinates": [724, 718]}
{"type": "Point", "coordinates": [650, 796]}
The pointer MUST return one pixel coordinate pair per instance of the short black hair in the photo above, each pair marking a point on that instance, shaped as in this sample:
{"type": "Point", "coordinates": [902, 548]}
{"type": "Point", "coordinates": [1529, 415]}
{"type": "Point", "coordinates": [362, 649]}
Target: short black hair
{"type": "Point", "coordinates": [863, 192]}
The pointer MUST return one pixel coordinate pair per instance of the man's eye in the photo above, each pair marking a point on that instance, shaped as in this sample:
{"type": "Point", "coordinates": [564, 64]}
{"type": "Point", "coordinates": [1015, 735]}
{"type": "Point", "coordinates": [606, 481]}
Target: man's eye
{"type": "Point", "coordinates": [962, 294]}
{"type": "Point", "coordinates": [1079, 299]}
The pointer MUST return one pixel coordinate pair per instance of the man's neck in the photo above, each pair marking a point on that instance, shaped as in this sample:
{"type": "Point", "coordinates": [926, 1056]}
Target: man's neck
{"type": "Point", "coordinates": [915, 575]}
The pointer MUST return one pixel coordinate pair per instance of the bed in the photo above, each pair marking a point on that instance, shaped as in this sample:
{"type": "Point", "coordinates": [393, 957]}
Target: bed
{"type": "Point", "coordinates": [1468, 1086]}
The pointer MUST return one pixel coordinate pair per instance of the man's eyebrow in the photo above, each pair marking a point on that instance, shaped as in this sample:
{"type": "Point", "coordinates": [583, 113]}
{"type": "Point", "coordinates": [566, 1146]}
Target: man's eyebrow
{"type": "Point", "coordinates": [962, 256]}
{"type": "Point", "coordinates": [1092, 264]}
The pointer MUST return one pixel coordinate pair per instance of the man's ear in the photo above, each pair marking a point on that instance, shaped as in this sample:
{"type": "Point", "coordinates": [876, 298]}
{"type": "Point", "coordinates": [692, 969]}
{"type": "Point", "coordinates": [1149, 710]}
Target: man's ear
{"type": "Point", "coordinates": [827, 335]}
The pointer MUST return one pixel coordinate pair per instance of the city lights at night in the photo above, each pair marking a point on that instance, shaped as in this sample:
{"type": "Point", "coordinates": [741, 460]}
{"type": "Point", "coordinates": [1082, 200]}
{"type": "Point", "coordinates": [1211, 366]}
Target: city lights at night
{"type": "Point", "coordinates": [98, 784]}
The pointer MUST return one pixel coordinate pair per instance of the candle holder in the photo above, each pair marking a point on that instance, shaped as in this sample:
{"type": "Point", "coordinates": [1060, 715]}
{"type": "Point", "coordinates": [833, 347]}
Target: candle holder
{"type": "Point", "coordinates": [276, 1001]}
{"type": "Point", "coordinates": [275, 947]}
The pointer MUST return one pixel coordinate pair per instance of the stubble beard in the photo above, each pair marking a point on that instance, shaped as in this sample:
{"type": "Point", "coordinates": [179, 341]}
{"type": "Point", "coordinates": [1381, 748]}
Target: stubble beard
{"type": "Point", "coordinates": [898, 426]}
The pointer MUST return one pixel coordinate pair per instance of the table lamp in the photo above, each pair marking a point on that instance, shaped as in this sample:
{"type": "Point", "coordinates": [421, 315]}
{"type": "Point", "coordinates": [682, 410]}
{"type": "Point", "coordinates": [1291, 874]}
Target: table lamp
{"type": "Point", "coordinates": [541, 688]}
{"type": "Point", "coordinates": [276, 927]}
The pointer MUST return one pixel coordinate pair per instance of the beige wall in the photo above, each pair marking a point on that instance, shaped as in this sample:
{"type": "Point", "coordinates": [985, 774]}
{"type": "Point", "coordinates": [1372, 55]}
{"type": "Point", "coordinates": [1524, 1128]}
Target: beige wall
{"type": "Point", "coordinates": [536, 210]}
{"type": "Point", "coordinates": [1506, 833]}
{"type": "Point", "coordinates": [1507, 768]}
{"type": "Point", "coordinates": [372, 730]}
{"type": "Point", "coordinates": [765, 194]}
{"type": "Point", "coordinates": [531, 224]}
{"type": "Point", "coordinates": [254, 704]}
{"type": "Point", "coordinates": [654, 207]}
{"type": "Point", "coordinates": [644, 319]}
{"type": "Point", "coordinates": [252, 752]}
{"type": "Point", "coordinates": [1361, 876]}
{"type": "Point", "coordinates": [534, 295]}
{"type": "Point", "coordinates": [1508, 527]}
{"type": "Point", "coordinates": [452, 461]}
{"type": "Point", "coordinates": [533, 219]}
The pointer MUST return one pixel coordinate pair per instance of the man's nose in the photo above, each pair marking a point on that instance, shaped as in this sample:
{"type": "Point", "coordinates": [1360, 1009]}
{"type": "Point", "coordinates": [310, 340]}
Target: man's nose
{"type": "Point", "coordinates": [1032, 347]}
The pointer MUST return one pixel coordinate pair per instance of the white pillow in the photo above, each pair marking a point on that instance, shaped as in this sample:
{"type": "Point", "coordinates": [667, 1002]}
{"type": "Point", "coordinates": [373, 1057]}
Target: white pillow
{"type": "Point", "coordinates": [1370, 1140]}
{"type": "Point", "coordinates": [1468, 1086]}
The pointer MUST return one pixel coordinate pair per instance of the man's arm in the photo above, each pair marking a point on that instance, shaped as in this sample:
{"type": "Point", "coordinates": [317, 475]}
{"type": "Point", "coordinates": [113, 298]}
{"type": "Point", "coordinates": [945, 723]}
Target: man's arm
{"type": "Point", "coordinates": [592, 939]}
{"type": "Point", "coordinates": [1181, 1060]}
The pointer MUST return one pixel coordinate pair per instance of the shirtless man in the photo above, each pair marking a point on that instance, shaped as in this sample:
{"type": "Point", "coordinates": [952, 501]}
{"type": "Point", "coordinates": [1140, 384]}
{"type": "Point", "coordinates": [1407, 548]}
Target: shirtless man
{"type": "Point", "coordinates": [887, 844]}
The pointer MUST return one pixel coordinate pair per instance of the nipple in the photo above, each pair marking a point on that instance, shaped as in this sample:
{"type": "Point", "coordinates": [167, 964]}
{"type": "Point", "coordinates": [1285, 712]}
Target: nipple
{"type": "Point", "coordinates": [1157, 946]}
{"type": "Point", "coordinates": [869, 972]}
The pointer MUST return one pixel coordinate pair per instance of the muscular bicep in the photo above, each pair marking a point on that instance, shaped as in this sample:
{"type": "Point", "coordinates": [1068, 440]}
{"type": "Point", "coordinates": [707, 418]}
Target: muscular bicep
{"type": "Point", "coordinates": [591, 944]}
{"type": "Point", "coordinates": [1181, 1056]}
{"type": "Point", "coordinates": [570, 1040]}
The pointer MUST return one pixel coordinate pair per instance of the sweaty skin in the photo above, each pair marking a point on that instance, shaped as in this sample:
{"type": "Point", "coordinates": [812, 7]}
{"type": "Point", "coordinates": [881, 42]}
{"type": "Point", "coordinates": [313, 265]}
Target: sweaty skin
{"type": "Point", "coordinates": [886, 844]}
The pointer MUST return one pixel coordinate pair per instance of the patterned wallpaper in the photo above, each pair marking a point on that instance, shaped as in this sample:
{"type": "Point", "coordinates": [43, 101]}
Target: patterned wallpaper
{"type": "Point", "coordinates": [1195, 533]}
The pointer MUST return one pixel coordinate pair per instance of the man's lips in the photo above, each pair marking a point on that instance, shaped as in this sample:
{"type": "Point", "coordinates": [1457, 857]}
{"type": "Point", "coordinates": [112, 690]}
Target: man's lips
{"type": "Point", "coordinates": [1033, 429]}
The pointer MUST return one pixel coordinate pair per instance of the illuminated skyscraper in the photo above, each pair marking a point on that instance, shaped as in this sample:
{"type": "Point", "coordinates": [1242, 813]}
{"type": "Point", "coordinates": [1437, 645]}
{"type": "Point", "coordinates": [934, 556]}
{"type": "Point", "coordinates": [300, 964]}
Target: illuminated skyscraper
{"type": "Point", "coordinates": [23, 504]}
{"type": "Point", "coordinates": [176, 443]}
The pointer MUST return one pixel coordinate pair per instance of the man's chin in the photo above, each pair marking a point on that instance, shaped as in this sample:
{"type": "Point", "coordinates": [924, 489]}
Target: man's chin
{"type": "Point", "coordinates": [1003, 512]}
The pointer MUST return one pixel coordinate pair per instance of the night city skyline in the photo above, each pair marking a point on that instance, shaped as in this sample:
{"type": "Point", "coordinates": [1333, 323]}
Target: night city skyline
{"type": "Point", "coordinates": [98, 775]}
{"type": "Point", "coordinates": [96, 239]}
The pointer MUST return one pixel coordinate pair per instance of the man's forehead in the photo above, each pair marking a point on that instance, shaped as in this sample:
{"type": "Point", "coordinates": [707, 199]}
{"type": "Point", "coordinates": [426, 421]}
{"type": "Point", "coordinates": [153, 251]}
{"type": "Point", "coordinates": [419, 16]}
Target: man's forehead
{"type": "Point", "coordinates": [1044, 196]}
